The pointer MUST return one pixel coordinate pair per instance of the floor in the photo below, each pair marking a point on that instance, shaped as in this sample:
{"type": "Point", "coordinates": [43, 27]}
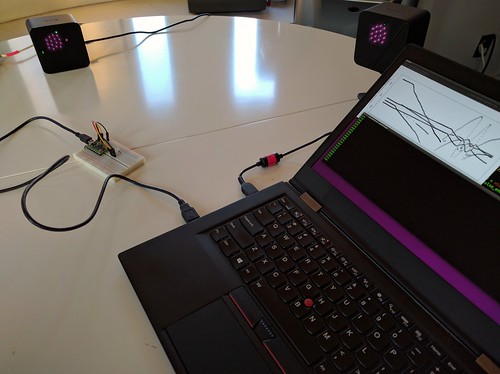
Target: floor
{"type": "Point", "coordinates": [281, 11]}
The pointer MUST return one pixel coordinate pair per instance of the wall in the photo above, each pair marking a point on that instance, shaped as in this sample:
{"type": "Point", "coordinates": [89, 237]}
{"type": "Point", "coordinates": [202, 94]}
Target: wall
{"type": "Point", "coordinates": [456, 27]}
{"type": "Point", "coordinates": [15, 9]}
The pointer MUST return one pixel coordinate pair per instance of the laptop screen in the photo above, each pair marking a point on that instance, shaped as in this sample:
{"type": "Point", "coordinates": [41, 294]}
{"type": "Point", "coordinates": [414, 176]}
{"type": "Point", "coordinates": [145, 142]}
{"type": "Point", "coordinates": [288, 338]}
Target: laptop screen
{"type": "Point", "coordinates": [424, 157]}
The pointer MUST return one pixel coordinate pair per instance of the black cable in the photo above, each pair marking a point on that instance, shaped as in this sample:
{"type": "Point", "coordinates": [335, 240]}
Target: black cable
{"type": "Point", "coordinates": [21, 185]}
{"type": "Point", "coordinates": [270, 160]}
{"type": "Point", "coordinates": [147, 32]}
{"type": "Point", "coordinates": [83, 137]}
{"type": "Point", "coordinates": [187, 212]}
{"type": "Point", "coordinates": [306, 144]}
{"type": "Point", "coordinates": [491, 54]}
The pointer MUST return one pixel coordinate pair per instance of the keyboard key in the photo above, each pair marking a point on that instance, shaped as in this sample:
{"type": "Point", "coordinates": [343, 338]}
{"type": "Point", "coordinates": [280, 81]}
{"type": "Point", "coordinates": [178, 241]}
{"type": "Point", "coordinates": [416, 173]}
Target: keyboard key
{"type": "Point", "coordinates": [354, 271]}
{"type": "Point", "coordinates": [381, 369]}
{"type": "Point", "coordinates": [451, 366]}
{"type": "Point", "coordinates": [299, 310]}
{"type": "Point", "coordinates": [328, 341]}
{"type": "Point", "coordinates": [343, 261]}
{"type": "Point", "coordinates": [328, 263]}
{"type": "Point", "coordinates": [325, 368]}
{"type": "Point", "coordinates": [365, 283]}
{"type": "Point", "coordinates": [320, 278]}
{"type": "Point", "coordinates": [263, 216]}
{"type": "Point", "coordinates": [249, 274]}
{"type": "Point", "coordinates": [274, 207]}
{"type": "Point", "coordinates": [322, 306]}
{"type": "Point", "coordinates": [304, 221]}
{"type": "Point", "coordinates": [435, 351]}
{"type": "Point", "coordinates": [284, 217]}
{"type": "Point", "coordinates": [251, 224]}
{"type": "Point", "coordinates": [313, 324]}
{"type": "Point", "coordinates": [285, 264]}
{"type": "Point", "coordinates": [239, 261]}
{"type": "Point", "coordinates": [274, 251]}
{"type": "Point", "coordinates": [313, 230]}
{"type": "Point", "coordinates": [218, 234]}
{"type": "Point", "coordinates": [254, 253]}
{"type": "Point", "coordinates": [401, 338]}
{"type": "Point", "coordinates": [342, 360]}
{"type": "Point", "coordinates": [347, 307]}
{"type": "Point", "coordinates": [354, 290]}
{"type": "Point", "coordinates": [263, 239]}
{"type": "Point", "coordinates": [297, 214]}
{"type": "Point", "coordinates": [297, 253]}
{"type": "Point", "coordinates": [323, 240]}
{"type": "Point", "coordinates": [334, 292]}
{"type": "Point", "coordinates": [286, 203]}
{"type": "Point", "coordinates": [369, 305]}
{"type": "Point", "coordinates": [297, 277]}
{"type": "Point", "coordinates": [228, 247]}
{"type": "Point", "coordinates": [293, 228]}
{"type": "Point", "coordinates": [309, 291]}
{"type": "Point", "coordinates": [396, 359]}
{"type": "Point", "coordinates": [285, 241]}
{"type": "Point", "coordinates": [362, 323]}
{"type": "Point", "coordinates": [385, 321]}
{"type": "Point", "coordinates": [308, 265]}
{"type": "Point", "coordinates": [419, 357]}
{"type": "Point", "coordinates": [264, 265]}
{"type": "Point", "coordinates": [378, 340]}
{"type": "Point", "coordinates": [288, 293]}
{"type": "Point", "coordinates": [316, 251]}
{"type": "Point", "coordinates": [275, 229]}
{"type": "Point", "coordinates": [405, 321]}
{"type": "Point", "coordinates": [240, 234]}
{"type": "Point", "coordinates": [341, 276]}
{"type": "Point", "coordinates": [379, 295]}
{"type": "Point", "coordinates": [276, 279]}
{"type": "Point", "coordinates": [367, 357]}
{"type": "Point", "coordinates": [418, 334]}
{"type": "Point", "coordinates": [304, 239]}
{"type": "Point", "coordinates": [337, 322]}
{"type": "Point", "coordinates": [351, 339]}
{"type": "Point", "coordinates": [335, 252]}
{"type": "Point", "coordinates": [391, 308]}
{"type": "Point", "coordinates": [436, 369]}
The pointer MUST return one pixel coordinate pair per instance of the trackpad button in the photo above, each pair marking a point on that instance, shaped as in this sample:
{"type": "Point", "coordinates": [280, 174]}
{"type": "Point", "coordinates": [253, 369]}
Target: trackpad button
{"type": "Point", "coordinates": [211, 340]}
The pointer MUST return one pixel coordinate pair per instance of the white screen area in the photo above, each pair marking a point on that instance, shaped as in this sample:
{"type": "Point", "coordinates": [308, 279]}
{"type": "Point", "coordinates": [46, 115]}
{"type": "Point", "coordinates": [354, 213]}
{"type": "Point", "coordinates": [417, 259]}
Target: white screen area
{"type": "Point", "coordinates": [459, 131]}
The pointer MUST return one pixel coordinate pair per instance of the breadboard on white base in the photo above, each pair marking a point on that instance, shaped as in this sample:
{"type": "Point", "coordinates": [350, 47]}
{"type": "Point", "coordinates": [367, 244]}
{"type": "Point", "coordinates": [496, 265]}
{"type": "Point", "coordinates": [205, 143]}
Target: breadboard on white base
{"type": "Point", "coordinates": [125, 161]}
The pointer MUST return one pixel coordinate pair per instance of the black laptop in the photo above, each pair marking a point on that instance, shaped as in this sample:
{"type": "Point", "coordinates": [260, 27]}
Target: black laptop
{"type": "Point", "coordinates": [381, 255]}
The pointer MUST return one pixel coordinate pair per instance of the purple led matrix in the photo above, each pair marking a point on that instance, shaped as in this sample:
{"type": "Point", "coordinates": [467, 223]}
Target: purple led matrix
{"type": "Point", "coordinates": [378, 34]}
{"type": "Point", "coordinates": [54, 42]}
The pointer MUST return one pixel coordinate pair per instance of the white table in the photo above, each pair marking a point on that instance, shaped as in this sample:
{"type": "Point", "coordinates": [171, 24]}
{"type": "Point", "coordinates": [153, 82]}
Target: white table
{"type": "Point", "coordinates": [200, 103]}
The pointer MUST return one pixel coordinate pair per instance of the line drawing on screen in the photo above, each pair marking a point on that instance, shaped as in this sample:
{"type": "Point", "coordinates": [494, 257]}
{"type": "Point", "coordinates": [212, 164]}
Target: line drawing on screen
{"type": "Point", "coordinates": [445, 123]}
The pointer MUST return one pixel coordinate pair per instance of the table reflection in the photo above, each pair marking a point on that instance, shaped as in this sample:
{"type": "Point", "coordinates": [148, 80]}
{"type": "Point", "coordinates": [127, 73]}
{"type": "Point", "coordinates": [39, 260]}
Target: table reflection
{"type": "Point", "coordinates": [155, 65]}
{"type": "Point", "coordinates": [248, 79]}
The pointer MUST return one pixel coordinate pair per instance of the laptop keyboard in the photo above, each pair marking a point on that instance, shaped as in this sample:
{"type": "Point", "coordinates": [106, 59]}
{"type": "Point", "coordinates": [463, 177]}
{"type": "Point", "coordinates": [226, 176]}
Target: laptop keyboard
{"type": "Point", "coordinates": [336, 318]}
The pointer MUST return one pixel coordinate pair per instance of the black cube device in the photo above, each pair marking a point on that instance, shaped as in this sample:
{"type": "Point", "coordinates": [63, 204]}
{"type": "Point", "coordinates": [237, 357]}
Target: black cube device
{"type": "Point", "coordinates": [384, 30]}
{"type": "Point", "coordinates": [59, 43]}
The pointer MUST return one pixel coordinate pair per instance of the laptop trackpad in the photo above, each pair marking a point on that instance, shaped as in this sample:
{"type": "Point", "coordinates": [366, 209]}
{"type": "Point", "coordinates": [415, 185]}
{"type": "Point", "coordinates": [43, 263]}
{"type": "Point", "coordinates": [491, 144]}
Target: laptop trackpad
{"type": "Point", "coordinates": [211, 340]}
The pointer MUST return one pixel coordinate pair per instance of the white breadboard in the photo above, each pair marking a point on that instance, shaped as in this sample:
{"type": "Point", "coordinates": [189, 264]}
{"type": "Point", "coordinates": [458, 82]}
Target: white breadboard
{"type": "Point", "coordinates": [125, 161]}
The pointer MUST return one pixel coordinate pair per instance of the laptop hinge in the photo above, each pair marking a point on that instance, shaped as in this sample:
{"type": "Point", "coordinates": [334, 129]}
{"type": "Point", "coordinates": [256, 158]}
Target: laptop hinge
{"type": "Point", "coordinates": [313, 204]}
{"type": "Point", "coordinates": [487, 364]}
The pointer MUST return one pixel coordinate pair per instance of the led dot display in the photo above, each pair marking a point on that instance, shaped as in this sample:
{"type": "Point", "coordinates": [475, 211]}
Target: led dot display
{"type": "Point", "coordinates": [54, 42]}
{"type": "Point", "coordinates": [379, 34]}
